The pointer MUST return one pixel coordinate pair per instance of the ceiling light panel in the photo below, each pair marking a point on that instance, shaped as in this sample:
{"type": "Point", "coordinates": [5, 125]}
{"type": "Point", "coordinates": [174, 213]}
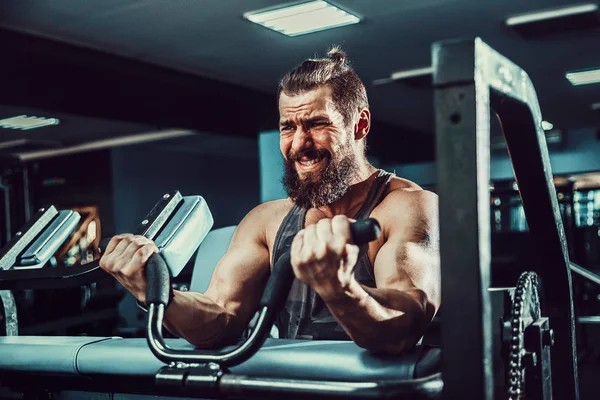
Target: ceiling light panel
{"type": "Point", "coordinates": [551, 14]}
{"type": "Point", "coordinates": [24, 122]}
{"type": "Point", "coordinates": [300, 19]}
{"type": "Point", "coordinates": [583, 77]}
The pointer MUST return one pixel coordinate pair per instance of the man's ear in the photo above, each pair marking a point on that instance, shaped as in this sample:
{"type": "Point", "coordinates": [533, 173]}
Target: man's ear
{"type": "Point", "coordinates": [363, 125]}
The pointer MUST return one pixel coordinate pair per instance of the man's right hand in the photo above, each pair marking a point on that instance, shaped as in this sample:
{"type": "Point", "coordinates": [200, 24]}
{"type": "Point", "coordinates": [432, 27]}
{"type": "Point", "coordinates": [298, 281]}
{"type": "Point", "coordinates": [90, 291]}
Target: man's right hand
{"type": "Point", "coordinates": [125, 258]}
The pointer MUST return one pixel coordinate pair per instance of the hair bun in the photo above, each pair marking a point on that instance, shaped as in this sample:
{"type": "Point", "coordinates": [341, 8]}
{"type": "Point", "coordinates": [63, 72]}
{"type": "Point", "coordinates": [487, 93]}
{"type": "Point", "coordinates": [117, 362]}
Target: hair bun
{"type": "Point", "coordinates": [336, 54]}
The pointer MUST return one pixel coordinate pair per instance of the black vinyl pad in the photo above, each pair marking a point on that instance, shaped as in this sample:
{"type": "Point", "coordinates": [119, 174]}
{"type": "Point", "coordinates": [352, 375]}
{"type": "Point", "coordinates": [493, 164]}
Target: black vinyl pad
{"type": "Point", "coordinates": [324, 360]}
{"type": "Point", "coordinates": [56, 354]}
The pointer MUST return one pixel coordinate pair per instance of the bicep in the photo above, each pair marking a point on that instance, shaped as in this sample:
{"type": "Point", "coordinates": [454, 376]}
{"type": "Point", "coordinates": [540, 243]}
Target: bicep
{"type": "Point", "coordinates": [410, 267]}
{"type": "Point", "coordinates": [409, 259]}
{"type": "Point", "coordinates": [240, 276]}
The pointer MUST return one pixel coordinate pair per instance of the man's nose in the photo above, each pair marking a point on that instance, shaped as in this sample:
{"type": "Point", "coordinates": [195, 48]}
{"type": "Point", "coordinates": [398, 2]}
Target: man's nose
{"type": "Point", "coordinates": [302, 140]}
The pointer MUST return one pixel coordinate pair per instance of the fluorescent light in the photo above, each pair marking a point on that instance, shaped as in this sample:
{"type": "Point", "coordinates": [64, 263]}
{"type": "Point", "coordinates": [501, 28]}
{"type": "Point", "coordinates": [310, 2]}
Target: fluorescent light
{"type": "Point", "coordinates": [547, 125]}
{"type": "Point", "coordinates": [23, 122]}
{"type": "Point", "coordinates": [104, 144]}
{"type": "Point", "coordinates": [411, 73]}
{"type": "Point", "coordinates": [300, 19]}
{"type": "Point", "coordinates": [596, 106]}
{"type": "Point", "coordinates": [584, 77]}
{"type": "Point", "coordinates": [551, 14]}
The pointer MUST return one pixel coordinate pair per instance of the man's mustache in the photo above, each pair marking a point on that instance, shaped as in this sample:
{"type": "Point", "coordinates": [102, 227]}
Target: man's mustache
{"type": "Point", "coordinates": [311, 154]}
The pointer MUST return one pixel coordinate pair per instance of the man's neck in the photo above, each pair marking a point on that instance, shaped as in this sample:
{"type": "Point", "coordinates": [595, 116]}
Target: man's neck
{"type": "Point", "coordinates": [350, 203]}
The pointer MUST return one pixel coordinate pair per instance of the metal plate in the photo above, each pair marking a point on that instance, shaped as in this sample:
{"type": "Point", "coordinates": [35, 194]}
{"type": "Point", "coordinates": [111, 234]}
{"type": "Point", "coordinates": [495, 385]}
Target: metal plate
{"type": "Point", "coordinates": [49, 241]}
{"type": "Point", "coordinates": [184, 232]}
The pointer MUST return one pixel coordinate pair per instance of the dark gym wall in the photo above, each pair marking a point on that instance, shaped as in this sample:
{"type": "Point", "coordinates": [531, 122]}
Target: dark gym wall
{"type": "Point", "coordinates": [141, 174]}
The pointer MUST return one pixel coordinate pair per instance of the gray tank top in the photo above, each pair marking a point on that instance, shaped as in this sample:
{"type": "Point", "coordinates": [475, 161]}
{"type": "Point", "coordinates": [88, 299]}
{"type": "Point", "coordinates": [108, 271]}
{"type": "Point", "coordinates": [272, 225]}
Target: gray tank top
{"type": "Point", "coordinates": [305, 315]}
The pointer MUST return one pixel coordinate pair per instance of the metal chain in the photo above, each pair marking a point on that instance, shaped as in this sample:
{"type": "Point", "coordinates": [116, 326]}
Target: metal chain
{"type": "Point", "coordinates": [525, 300]}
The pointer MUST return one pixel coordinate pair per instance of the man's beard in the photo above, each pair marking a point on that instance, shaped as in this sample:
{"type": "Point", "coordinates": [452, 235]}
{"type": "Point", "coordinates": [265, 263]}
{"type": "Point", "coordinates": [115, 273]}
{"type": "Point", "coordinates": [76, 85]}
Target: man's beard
{"type": "Point", "coordinates": [321, 187]}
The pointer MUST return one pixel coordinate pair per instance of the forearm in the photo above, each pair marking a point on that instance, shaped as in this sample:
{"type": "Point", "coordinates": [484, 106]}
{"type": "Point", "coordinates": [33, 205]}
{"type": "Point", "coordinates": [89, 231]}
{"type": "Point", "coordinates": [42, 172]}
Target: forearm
{"type": "Point", "coordinates": [380, 320]}
{"type": "Point", "coordinates": [198, 319]}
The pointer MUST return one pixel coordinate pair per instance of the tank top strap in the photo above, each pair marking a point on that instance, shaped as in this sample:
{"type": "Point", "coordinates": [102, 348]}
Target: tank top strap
{"type": "Point", "coordinates": [375, 195]}
{"type": "Point", "coordinates": [290, 226]}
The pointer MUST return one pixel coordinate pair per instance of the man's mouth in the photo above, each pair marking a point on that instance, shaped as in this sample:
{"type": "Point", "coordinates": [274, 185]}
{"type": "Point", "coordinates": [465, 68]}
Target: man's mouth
{"type": "Point", "coordinates": [309, 164]}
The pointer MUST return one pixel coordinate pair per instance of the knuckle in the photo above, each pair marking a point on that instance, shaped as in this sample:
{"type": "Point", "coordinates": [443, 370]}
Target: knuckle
{"type": "Point", "coordinates": [139, 240]}
{"type": "Point", "coordinates": [104, 264]}
{"type": "Point", "coordinates": [142, 252]}
{"type": "Point", "coordinates": [324, 222]}
{"type": "Point", "coordinates": [126, 273]}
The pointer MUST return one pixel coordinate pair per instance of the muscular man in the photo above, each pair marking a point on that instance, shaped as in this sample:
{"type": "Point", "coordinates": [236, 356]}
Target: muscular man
{"type": "Point", "coordinates": [382, 296]}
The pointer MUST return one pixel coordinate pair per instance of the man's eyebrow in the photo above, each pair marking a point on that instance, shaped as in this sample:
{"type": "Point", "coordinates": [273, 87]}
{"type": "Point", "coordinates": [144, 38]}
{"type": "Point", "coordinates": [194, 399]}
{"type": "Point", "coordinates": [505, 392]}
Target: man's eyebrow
{"type": "Point", "coordinates": [311, 120]}
{"type": "Point", "coordinates": [316, 118]}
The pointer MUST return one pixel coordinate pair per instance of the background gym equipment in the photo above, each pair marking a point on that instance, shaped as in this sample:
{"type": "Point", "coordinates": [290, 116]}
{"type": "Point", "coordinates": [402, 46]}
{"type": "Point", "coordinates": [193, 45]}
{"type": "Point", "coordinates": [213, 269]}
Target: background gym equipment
{"type": "Point", "coordinates": [31, 248]}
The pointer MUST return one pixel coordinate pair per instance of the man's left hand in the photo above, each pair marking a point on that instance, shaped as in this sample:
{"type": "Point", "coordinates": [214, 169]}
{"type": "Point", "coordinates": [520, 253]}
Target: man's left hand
{"type": "Point", "coordinates": [324, 257]}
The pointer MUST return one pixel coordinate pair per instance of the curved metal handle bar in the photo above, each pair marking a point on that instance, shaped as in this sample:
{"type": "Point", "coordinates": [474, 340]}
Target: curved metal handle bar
{"type": "Point", "coordinates": [277, 289]}
{"type": "Point", "coordinates": [224, 358]}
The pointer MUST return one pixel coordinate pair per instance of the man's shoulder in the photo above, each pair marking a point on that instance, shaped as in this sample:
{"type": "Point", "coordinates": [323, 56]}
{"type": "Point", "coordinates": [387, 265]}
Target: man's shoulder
{"type": "Point", "coordinates": [273, 208]}
{"type": "Point", "coordinates": [403, 194]}
{"type": "Point", "coordinates": [263, 219]}
{"type": "Point", "coordinates": [269, 213]}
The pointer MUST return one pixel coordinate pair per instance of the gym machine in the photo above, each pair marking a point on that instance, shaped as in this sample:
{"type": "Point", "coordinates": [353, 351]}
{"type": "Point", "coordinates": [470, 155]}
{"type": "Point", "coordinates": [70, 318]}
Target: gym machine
{"type": "Point", "coordinates": [469, 79]}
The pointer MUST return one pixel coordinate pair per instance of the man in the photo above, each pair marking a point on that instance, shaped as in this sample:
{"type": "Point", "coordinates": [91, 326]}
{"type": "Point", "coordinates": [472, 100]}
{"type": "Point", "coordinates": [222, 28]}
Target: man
{"type": "Point", "coordinates": [382, 296]}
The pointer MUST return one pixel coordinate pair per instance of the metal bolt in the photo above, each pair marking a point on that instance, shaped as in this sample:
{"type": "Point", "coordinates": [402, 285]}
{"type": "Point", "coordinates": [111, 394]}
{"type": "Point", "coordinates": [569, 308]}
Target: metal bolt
{"type": "Point", "coordinates": [166, 196]}
{"type": "Point", "coordinates": [213, 367]}
{"type": "Point", "coordinates": [18, 234]}
{"type": "Point", "coordinates": [145, 222]}
{"type": "Point", "coordinates": [42, 209]}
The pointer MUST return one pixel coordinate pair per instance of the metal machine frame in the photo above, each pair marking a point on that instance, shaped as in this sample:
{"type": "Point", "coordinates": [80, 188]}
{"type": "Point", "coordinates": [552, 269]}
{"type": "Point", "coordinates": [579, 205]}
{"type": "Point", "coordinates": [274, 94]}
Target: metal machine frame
{"type": "Point", "coordinates": [469, 79]}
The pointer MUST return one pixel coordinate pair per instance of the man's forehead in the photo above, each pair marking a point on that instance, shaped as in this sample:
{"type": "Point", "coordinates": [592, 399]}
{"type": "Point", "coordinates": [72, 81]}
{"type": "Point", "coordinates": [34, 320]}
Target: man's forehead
{"type": "Point", "coordinates": [312, 100]}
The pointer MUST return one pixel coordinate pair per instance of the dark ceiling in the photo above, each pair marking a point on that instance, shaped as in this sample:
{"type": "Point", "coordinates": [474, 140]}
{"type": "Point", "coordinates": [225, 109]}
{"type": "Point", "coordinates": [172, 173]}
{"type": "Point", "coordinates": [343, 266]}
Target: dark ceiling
{"type": "Point", "coordinates": [143, 64]}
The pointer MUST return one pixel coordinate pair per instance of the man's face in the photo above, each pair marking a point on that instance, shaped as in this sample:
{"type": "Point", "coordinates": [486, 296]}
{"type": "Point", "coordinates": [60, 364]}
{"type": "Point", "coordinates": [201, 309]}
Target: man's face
{"type": "Point", "coordinates": [318, 148]}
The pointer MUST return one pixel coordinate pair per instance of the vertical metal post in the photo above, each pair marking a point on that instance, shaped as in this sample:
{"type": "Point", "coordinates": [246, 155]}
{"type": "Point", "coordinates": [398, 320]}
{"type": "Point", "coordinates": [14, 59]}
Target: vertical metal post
{"type": "Point", "coordinates": [531, 163]}
{"type": "Point", "coordinates": [7, 218]}
{"type": "Point", "coordinates": [26, 196]}
{"type": "Point", "coordinates": [462, 130]}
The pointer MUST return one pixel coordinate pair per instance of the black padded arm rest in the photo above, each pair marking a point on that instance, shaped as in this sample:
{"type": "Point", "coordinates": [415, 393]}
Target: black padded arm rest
{"type": "Point", "coordinates": [43, 354]}
{"type": "Point", "coordinates": [278, 358]}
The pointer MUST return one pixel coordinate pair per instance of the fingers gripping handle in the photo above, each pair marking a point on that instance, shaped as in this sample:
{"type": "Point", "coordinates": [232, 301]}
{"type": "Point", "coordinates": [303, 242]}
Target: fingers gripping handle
{"type": "Point", "coordinates": [158, 281]}
{"type": "Point", "coordinates": [158, 278]}
{"type": "Point", "coordinates": [282, 276]}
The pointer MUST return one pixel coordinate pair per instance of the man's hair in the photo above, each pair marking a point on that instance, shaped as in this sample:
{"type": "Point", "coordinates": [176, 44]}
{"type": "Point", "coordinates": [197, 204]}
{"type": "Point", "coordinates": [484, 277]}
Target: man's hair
{"type": "Point", "coordinates": [347, 90]}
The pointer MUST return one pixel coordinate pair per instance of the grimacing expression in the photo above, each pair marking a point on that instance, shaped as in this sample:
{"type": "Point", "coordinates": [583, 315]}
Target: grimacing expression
{"type": "Point", "coordinates": [320, 160]}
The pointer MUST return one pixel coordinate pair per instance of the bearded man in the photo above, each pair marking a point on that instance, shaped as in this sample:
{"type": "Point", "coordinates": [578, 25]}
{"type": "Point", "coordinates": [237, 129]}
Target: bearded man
{"type": "Point", "coordinates": [382, 296]}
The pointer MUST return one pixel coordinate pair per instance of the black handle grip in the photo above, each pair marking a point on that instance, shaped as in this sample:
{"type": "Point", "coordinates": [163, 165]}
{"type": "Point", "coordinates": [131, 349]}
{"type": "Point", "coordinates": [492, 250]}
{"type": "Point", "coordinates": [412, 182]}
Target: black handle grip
{"type": "Point", "coordinates": [103, 245]}
{"type": "Point", "coordinates": [279, 283]}
{"type": "Point", "coordinates": [158, 281]}
{"type": "Point", "coordinates": [282, 275]}
{"type": "Point", "coordinates": [365, 231]}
